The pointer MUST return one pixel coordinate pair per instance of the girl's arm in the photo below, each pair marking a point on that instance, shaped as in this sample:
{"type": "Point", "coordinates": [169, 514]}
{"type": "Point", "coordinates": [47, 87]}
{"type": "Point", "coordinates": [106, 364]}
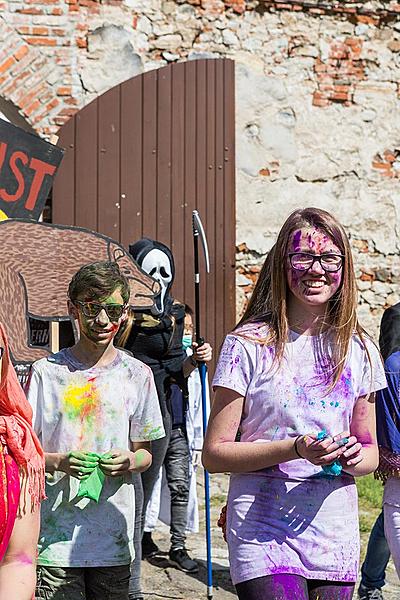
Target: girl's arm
{"type": "Point", "coordinates": [221, 453]}
{"type": "Point", "coordinates": [18, 568]}
{"type": "Point", "coordinates": [363, 457]}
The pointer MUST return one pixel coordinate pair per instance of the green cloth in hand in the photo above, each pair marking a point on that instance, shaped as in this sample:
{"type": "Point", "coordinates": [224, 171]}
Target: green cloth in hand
{"type": "Point", "coordinates": [93, 484]}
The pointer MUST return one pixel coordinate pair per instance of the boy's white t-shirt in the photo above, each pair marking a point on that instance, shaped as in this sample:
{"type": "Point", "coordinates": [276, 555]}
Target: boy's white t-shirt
{"type": "Point", "coordinates": [95, 410]}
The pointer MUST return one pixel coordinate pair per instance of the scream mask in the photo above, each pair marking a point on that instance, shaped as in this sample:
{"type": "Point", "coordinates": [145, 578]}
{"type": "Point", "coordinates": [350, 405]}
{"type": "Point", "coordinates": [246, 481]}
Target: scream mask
{"type": "Point", "coordinates": [156, 259]}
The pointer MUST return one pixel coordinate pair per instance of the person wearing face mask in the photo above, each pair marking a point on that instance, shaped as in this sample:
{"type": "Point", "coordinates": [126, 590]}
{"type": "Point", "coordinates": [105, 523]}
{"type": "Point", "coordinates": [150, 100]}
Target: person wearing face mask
{"type": "Point", "coordinates": [174, 498]}
{"type": "Point", "coordinates": [155, 338]}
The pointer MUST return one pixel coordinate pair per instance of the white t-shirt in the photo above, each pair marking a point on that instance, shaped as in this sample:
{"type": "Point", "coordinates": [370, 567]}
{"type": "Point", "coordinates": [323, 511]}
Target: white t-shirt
{"type": "Point", "coordinates": [292, 517]}
{"type": "Point", "coordinates": [95, 410]}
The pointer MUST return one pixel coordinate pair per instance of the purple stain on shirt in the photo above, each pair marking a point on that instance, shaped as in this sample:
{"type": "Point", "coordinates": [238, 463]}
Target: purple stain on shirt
{"type": "Point", "coordinates": [234, 362]}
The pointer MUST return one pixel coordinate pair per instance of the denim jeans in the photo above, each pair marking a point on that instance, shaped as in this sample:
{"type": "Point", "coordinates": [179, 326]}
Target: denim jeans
{"type": "Point", "coordinates": [377, 557]}
{"type": "Point", "coordinates": [176, 464]}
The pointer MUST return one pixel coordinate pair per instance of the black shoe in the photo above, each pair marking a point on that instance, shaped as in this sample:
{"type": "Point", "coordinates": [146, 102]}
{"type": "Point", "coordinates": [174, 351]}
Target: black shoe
{"type": "Point", "coordinates": [181, 559]}
{"type": "Point", "coordinates": [149, 548]}
{"type": "Point", "coordinates": [135, 597]}
{"type": "Point", "coordinates": [365, 593]}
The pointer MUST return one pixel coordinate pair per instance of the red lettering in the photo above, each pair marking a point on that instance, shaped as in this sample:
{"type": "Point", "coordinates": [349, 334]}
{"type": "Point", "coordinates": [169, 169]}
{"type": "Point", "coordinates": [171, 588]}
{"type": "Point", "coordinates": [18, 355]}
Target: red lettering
{"type": "Point", "coordinates": [3, 150]}
{"type": "Point", "coordinates": [4, 195]}
{"type": "Point", "coordinates": [41, 170]}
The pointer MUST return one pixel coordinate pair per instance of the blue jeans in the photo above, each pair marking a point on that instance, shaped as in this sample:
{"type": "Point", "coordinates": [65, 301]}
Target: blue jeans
{"type": "Point", "coordinates": [377, 557]}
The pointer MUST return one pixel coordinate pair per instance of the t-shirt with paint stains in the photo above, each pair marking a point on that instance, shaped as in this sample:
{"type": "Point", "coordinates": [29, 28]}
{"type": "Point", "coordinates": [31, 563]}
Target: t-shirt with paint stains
{"type": "Point", "coordinates": [292, 518]}
{"type": "Point", "coordinates": [95, 409]}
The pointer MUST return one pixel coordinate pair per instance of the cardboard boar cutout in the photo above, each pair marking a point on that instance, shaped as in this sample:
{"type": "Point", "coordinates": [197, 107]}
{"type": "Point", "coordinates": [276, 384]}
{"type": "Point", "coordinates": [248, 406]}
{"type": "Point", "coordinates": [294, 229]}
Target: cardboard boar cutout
{"type": "Point", "coordinates": [37, 263]}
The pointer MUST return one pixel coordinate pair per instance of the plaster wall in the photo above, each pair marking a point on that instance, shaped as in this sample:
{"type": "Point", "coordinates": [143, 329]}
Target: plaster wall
{"type": "Point", "coordinates": [317, 104]}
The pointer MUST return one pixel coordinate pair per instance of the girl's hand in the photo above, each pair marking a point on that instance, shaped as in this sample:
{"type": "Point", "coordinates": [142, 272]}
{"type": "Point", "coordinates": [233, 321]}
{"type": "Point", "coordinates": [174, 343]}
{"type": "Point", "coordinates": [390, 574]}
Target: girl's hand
{"type": "Point", "coordinates": [326, 451]}
{"type": "Point", "coordinates": [352, 454]}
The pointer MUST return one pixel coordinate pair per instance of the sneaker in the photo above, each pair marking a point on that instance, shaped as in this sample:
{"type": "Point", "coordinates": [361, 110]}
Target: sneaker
{"type": "Point", "coordinates": [365, 593]}
{"type": "Point", "coordinates": [181, 559]}
{"type": "Point", "coordinates": [149, 547]}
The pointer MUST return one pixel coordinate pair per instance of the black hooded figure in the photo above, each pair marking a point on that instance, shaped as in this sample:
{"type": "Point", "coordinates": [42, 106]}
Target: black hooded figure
{"type": "Point", "coordinates": [155, 338]}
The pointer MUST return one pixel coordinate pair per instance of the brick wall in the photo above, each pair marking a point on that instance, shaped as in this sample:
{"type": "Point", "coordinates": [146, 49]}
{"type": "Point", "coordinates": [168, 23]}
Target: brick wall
{"type": "Point", "coordinates": [318, 101]}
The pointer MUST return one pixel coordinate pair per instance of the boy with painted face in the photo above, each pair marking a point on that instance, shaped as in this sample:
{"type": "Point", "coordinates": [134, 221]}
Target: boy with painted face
{"type": "Point", "coordinates": [95, 412]}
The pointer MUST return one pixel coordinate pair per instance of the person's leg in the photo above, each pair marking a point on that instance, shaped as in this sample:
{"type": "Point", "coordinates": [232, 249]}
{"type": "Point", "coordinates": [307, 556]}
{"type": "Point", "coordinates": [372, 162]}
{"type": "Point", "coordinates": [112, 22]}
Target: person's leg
{"type": "Point", "coordinates": [60, 583]}
{"type": "Point", "coordinates": [107, 583]}
{"type": "Point", "coordinates": [134, 582]}
{"type": "Point", "coordinates": [392, 532]}
{"type": "Point", "coordinates": [330, 590]}
{"type": "Point", "coordinates": [158, 451]}
{"type": "Point", "coordinates": [177, 473]}
{"type": "Point", "coordinates": [376, 559]}
{"type": "Point", "coordinates": [273, 587]}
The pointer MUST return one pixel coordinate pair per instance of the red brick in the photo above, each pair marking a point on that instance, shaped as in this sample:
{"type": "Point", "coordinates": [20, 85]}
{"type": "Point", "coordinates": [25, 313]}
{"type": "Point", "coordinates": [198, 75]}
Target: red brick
{"type": "Point", "coordinates": [389, 156]}
{"type": "Point", "coordinates": [81, 42]}
{"type": "Point", "coordinates": [320, 100]}
{"type": "Point", "coordinates": [31, 108]}
{"type": "Point", "coordinates": [383, 166]}
{"type": "Point", "coordinates": [339, 96]}
{"type": "Point", "coordinates": [7, 64]}
{"type": "Point", "coordinates": [30, 11]}
{"type": "Point", "coordinates": [40, 31]}
{"type": "Point", "coordinates": [23, 30]}
{"type": "Point", "coordinates": [57, 12]}
{"type": "Point", "coordinates": [58, 31]}
{"type": "Point", "coordinates": [64, 91]}
{"type": "Point", "coordinates": [41, 41]}
{"type": "Point", "coordinates": [21, 52]}
{"type": "Point", "coordinates": [264, 172]}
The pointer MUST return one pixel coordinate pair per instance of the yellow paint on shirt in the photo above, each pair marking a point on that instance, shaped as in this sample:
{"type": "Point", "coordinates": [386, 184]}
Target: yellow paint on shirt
{"type": "Point", "coordinates": [81, 401]}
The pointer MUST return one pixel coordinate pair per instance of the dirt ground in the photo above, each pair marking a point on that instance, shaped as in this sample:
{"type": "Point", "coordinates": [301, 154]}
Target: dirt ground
{"type": "Point", "coordinates": [161, 580]}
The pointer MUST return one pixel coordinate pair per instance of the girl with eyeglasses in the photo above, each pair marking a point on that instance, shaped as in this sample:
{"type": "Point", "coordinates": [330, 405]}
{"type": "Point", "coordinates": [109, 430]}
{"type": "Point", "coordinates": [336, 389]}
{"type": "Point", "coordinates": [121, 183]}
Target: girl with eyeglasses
{"type": "Point", "coordinates": [297, 379]}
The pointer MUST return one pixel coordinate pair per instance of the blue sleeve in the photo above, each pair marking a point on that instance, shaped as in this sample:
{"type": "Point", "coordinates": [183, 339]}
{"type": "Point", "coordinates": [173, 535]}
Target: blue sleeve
{"type": "Point", "coordinates": [388, 406]}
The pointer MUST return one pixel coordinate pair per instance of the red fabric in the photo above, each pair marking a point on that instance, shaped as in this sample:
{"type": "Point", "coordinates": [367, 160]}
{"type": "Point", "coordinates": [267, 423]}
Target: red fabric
{"type": "Point", "coordinates": [9, 497]}
{"type": "Point", "coordinates": [16, 428]}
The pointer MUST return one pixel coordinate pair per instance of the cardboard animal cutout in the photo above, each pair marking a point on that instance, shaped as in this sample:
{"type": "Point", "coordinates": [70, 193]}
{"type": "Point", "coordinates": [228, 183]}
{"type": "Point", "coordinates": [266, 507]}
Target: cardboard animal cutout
{"type": "Point", "coordinates": [28, 165]}
{"type": "Point", "coordinates": [37, 263]}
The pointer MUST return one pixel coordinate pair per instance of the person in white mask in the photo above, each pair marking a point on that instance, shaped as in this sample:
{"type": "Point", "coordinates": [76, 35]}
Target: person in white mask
{"type": "Point", "coordinates": [155, 338]}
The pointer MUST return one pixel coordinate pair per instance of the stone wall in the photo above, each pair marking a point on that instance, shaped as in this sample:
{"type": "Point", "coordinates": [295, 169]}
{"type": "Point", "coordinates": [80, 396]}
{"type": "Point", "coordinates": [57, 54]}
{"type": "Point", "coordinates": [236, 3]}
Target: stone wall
{"type": "Point", "coordinates": [317, 103]}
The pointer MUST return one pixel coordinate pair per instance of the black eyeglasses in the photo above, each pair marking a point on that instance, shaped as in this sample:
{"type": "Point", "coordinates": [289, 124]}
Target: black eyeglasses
{"type": "Point", "coordinates": [93, 309]}
{"type": "Point", "coordinates": [302, 261]}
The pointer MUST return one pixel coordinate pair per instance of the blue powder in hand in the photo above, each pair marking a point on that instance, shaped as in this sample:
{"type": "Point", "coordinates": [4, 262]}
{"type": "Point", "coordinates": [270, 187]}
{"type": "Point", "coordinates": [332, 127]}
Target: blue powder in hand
{"type": "Point", "coordinates": [334, 468]}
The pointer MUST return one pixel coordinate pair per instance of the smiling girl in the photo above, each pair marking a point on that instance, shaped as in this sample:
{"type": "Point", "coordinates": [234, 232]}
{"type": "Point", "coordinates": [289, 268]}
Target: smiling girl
{"type": "Point", "coordinates": [298, 364]}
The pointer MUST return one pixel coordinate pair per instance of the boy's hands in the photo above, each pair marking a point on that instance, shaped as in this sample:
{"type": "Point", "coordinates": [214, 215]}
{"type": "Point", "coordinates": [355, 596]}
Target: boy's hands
{"type": "Point", "coordinates": [117, 462]}
{"type": "Point", "coordinates": [78, 464]}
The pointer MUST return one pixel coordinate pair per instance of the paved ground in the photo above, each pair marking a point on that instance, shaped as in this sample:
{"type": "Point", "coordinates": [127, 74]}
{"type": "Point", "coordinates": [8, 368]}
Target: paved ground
{"type": "Point", "coordinates": [160, 580]}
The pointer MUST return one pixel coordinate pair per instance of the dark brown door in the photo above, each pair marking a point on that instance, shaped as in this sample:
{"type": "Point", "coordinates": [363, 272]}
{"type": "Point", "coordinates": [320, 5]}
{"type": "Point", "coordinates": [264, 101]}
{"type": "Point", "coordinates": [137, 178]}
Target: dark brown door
{"type": "Point", "coordinates": [146, 153]}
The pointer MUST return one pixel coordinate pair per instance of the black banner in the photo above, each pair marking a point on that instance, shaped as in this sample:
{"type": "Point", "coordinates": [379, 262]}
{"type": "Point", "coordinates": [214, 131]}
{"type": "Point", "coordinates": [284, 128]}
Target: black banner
{"type": "Point", "coordinates": [28, 165]}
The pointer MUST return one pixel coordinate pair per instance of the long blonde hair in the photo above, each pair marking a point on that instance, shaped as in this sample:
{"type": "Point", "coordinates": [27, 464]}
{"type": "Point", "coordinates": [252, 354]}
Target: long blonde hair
{"type": "Point", "coordinates": [268, 302]}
